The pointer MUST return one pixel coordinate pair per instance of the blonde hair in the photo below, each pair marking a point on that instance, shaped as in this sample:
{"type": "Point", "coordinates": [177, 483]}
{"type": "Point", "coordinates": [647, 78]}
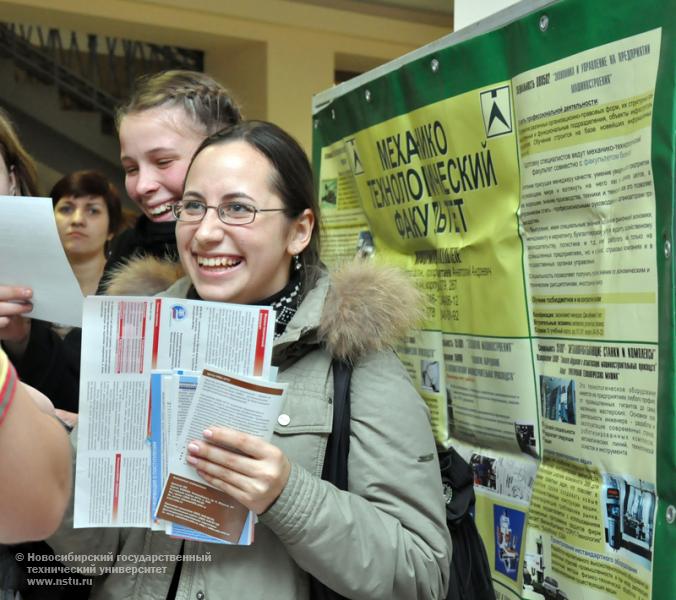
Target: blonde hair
{"type": "Point", "coordinates": [202, 98]}
{"type": "Point", "coordinates": [17, 159]}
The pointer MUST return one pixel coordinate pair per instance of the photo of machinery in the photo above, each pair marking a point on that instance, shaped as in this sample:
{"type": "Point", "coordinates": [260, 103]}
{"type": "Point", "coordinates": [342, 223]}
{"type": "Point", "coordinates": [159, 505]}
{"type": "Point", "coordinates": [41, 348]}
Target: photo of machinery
{"type": "Point", "coordinates": [534, 577]}
{"type": "Point", "coordinates": [525, 437]}
{"type": "Point", "coordinates": [557, 397]}
{"type": "Point", "coordinates": [449, 412]}
{"type": "Point", "coordinates": [508, 534]}
{"type": "Point", "coordinates": [629, 513]}
{"type": "Point", "coordinates": [430, 375]}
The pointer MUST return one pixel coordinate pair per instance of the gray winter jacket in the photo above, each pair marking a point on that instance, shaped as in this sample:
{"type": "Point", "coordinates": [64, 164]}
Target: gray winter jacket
{"type": "Point", "coordinates": [384, 539]}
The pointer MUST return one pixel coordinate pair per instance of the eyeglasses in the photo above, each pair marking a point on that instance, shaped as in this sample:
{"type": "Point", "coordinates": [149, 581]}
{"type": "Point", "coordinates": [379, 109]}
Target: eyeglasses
{"type": "Point", "coordinates": [230, 213]}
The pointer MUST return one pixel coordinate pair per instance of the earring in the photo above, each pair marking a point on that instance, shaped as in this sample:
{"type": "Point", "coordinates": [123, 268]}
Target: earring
{"type": "Point", "coordinates": [297, 265]}
{"type": "Point", "coordinates": [12, 182]}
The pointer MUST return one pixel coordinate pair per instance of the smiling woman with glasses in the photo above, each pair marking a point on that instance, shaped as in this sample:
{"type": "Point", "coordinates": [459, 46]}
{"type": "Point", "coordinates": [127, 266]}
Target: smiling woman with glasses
{"type": "Point", "coordinates": [385, 536]}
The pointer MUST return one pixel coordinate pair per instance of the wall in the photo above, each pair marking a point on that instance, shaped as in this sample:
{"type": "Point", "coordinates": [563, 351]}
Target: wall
{"type": "Point", "coordinates": [471, 11]}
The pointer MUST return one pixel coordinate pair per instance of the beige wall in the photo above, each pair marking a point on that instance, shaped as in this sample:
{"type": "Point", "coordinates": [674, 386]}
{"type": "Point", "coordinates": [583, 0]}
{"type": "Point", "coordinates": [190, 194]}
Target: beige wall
{"type": "Point", "coordinates": [273, 54]}
{"type": "Point", "coordinates": [471, 11]}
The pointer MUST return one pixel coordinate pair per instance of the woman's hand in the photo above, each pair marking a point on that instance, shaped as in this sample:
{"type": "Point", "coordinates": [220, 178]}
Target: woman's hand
{"type": "Point", "coordinates": [14, 328]}
{"type": "Point", "coordinates": [247, 468]}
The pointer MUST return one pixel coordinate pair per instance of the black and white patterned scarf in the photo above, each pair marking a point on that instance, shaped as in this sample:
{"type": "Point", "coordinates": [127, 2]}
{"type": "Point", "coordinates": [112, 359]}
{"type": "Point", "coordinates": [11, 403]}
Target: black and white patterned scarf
{"type": "Point", "coordinates": [285, 302]}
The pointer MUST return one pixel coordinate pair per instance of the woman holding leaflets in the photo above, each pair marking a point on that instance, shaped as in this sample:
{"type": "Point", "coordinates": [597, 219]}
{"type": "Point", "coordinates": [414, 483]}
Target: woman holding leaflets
{"type": "Point", "coordinates": [248, 232]}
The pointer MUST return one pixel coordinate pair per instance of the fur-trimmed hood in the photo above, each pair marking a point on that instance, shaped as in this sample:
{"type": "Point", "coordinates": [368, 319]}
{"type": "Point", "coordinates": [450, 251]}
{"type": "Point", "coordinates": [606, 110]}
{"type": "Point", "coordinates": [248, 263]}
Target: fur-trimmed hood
{"type": "Point", "coordinates": [366, 306]}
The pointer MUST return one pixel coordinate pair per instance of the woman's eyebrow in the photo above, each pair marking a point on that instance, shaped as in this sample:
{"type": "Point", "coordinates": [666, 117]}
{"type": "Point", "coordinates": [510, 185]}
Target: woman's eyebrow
{"type": "Point", "coordinates": [235, 195]}
{"type": "Point", "coordinates": [193, 194]}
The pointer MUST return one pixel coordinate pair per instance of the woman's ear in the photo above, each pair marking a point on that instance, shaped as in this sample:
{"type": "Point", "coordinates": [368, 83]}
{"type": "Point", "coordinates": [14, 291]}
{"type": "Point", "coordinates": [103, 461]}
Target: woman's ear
{"type": "Point", "coordinates": [13, 187]}
{"type": "Point", "coordinates": [301, 232]}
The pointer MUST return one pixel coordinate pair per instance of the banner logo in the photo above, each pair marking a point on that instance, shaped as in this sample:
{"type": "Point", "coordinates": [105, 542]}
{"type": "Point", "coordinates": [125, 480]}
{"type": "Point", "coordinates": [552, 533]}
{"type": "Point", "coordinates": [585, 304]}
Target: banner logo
{"type": "Point", "coordinates": [353, 157]}
{"type": "Point", "coordinates": [497, 111]}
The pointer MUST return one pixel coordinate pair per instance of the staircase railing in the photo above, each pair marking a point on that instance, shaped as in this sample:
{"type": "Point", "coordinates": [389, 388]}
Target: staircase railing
{"type": "Point", "coordinates": [96, 77]}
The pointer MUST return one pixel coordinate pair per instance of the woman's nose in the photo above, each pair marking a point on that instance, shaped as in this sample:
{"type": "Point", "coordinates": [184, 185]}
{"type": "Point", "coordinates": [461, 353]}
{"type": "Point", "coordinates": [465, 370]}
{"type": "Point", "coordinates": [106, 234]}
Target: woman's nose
{"type": "Point", "coordinates": [146, 183]}
{"type": "Point", "coordinates": [210, 228]}
{"type": "Point", "coordinates": [79, 216]}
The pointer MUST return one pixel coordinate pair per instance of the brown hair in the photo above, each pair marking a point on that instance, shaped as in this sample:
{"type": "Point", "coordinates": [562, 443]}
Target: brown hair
{"type": "Point", "coordinates": [16, 158]}
{"type": "Point", "coordinates": [206, 101]}
{"type": "Point", "coordinates": [91, 183]}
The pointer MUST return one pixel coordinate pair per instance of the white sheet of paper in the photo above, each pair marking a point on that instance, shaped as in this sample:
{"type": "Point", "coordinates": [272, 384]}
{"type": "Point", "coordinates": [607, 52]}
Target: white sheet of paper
{"type": "Point", "coordinates": [32, 256]}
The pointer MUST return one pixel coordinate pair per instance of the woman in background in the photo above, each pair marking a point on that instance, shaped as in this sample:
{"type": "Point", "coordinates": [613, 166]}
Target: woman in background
{"type": "Point", "coordinates": [54, 372]}
{"type": "Point", "coordinates": [88, 214]}
{"type": "Point", "coordinates": [18, 176]}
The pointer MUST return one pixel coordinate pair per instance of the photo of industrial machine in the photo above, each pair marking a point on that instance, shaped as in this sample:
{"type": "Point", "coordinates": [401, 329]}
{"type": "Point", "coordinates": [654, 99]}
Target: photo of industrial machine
{"type": "Point", "coordinates": [557, 397]}
{"type": "Point", "coordinates": [525, 437]}
{"type": "Point", "coordinates": [508, 533]}
{"type": "Point", "coordinates": [629, 513]}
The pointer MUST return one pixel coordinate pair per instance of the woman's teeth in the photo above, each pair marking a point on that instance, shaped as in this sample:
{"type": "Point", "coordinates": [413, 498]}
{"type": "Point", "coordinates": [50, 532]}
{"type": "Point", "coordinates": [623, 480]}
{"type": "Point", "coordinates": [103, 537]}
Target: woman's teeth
{"type": "Point", "coordinates": [161, 209]}
{"type": "Point", "coordinates": [221, 261]}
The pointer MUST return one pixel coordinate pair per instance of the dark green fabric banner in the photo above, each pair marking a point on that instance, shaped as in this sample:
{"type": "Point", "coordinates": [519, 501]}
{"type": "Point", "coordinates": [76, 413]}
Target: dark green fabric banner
{"type": "Point", "coordinates": [522, 172]}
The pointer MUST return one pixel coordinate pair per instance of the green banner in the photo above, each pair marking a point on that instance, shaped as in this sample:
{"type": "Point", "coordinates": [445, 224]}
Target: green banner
{"type": "Point", "coordinates": [522, 171]}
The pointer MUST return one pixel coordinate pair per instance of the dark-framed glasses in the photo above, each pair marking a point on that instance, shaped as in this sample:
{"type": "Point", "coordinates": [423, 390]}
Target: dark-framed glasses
{"type": "Point", "coordinates": [230, 213]}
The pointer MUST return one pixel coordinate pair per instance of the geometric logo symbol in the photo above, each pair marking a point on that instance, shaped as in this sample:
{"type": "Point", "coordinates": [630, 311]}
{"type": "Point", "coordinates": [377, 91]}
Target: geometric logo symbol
{"type": "Point", "coordinates": [496, 109]}
{"type": "Point", "coordinates": [353, 156]}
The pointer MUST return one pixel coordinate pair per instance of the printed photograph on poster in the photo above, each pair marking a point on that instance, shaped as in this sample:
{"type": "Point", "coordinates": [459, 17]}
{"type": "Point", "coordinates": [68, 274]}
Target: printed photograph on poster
{"type": "Point", "coordinates": [328, 192]}
{"type": "Point", "coordinates": [429, 375]}
{"type": "Point", "coordinates": [629, 514]}
{"type": "Point", "coordinates": [483, 468]}
{"type": "Point", "coordinates": [537, 574]}
{"type": "Point", "coordinates": [525, 437]}
{"type": "Point", "coordinates": [558, 399]}
{"type": "Point", "coordinates": [508, 526]}
{"type": "Point", "coordinates": [508, 476]}
{"type": "Point", "coordinates": [534, 565]}
{"type": "Point", "coordinates": [365, 245]}
{"type": "Point", "coordinates": [449, 411]}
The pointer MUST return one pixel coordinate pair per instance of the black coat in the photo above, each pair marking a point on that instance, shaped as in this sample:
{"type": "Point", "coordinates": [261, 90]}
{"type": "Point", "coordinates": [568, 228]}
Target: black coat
{"type": "Point", "coordinates": [145, 238]}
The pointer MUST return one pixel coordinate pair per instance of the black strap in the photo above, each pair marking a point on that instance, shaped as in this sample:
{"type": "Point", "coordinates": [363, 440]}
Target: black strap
{"type": "Point", "coordinates": [337, 450]}
{"type": "Point", "coordinates": [338, 445]}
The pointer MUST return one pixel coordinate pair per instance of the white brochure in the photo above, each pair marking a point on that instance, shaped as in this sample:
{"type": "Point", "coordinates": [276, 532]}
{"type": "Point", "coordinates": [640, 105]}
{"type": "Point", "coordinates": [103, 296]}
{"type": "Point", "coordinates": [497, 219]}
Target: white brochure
{"type": "Point", "coordinates": [123, 340]}
{"type": "Point", "coordinates": [32, 256]}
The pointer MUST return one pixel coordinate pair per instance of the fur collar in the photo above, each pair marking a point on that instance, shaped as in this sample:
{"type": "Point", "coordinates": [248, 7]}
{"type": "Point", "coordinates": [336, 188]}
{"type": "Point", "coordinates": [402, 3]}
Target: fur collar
{"type": "Point", "coordinates": [142, 276]}
{"type": "Point", "coordinates": [368, 306]}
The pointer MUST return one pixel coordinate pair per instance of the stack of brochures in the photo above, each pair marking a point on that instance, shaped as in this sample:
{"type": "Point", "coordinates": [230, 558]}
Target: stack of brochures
{"type": "Point", "coordinates": [183, 404]}
{"type": "Point", "coordinates": [155, 373]}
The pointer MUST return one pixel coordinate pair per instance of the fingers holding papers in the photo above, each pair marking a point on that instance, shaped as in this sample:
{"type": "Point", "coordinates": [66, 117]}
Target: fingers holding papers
{"type": "Point", "coordinates": [248, 468]}
{"type": "Point", "coordinates": [14, 302]}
